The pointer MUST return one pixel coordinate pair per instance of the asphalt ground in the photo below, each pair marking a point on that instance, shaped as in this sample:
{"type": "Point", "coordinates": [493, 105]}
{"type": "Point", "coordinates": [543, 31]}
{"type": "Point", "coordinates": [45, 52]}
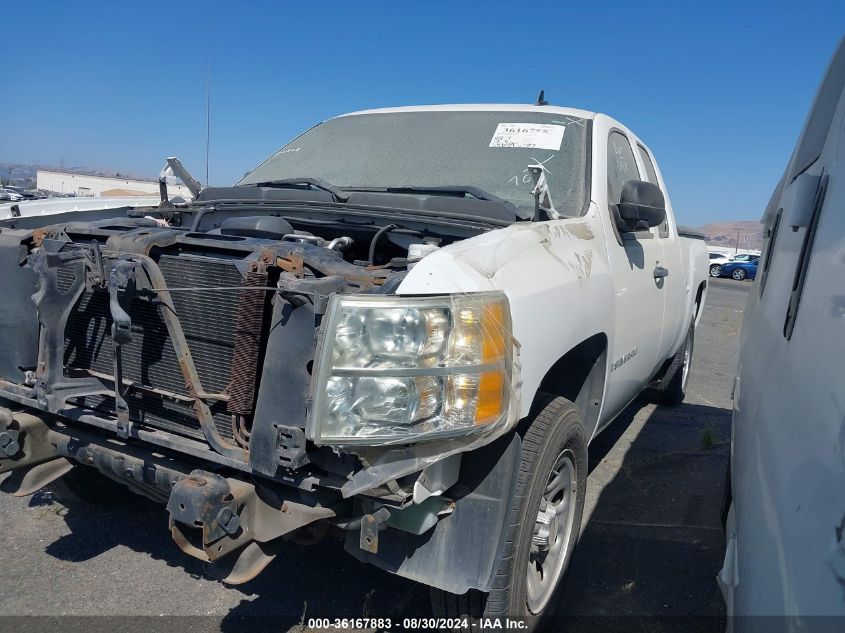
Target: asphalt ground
{"type": "Point", "coordinates": [650, 548]}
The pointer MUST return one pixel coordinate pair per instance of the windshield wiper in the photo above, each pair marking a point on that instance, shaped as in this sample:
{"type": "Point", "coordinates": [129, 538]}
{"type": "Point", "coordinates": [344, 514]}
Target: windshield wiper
{"type": "Point", "coordinates": [318, 183]}
{"type": "Point", "coordinates": [475, 192]}
{"type": "Point", "coordinates": [463, 190]}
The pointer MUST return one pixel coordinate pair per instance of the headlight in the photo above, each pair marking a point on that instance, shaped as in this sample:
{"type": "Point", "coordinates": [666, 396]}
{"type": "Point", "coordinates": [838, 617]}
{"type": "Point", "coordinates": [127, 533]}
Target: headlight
{"type": "Point", "coordinates": [404, 369]}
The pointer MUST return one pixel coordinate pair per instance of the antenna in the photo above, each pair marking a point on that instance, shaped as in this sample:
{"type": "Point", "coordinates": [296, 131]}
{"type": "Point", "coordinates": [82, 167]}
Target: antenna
{"type": "Point", "coordinates": [208, 105]}
{"type": "Point", "coordinates": [541, 99]}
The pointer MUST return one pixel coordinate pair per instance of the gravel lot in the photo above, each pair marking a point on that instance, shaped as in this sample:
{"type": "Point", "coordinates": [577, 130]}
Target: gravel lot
{"type": "Point", "coordinates": [651, 542]}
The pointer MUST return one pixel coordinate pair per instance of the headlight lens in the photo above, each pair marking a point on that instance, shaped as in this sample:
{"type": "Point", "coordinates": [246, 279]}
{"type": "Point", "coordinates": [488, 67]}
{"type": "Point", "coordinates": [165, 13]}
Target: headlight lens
{"type": "Point", "coordinates": [395, 369]}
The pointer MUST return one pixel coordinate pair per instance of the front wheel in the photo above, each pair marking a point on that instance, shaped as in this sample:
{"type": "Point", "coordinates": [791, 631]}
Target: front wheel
{"type": "Point", "coordinates": [739, 274]}
{"type": "Point", "coordinates": [545, 520]}
{"type": "Point", "coordinates": [715, 270]}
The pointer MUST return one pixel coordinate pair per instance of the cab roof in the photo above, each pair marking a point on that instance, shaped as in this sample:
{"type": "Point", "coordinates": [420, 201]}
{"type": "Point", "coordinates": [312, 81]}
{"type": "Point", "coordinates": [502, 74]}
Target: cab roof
{"type": "Point", "coordinates": [481, 107]}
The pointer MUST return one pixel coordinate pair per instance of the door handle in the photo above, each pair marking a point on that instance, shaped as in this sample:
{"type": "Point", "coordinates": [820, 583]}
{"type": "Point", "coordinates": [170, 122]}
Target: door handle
{"type": "Point", "coordinates": [660, 272]}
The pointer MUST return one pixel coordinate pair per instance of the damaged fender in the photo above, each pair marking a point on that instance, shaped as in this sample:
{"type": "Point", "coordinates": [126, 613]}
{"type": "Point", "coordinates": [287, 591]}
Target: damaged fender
{"type": "Point", "coordinates": [461, 551]}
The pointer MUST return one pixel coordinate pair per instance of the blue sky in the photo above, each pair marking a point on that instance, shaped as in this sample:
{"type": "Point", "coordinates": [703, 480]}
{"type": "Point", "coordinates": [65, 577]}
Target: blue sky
{"type": "Point", "coordinates": [719, 91]}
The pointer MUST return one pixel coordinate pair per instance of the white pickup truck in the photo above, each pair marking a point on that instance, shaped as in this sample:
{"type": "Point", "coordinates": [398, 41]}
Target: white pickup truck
{"type": "Point", "coordinates": [404, 327]}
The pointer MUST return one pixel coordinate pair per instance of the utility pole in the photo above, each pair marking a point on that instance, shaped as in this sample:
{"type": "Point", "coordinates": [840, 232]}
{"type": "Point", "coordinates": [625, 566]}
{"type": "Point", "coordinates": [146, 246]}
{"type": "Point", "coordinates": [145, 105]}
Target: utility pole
{"type": "Point", "coordinates": [736, 249]}
{"type": "Point", "coordinates": [208, 105]}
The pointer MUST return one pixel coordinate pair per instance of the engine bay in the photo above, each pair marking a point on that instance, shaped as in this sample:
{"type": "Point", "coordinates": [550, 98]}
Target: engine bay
{"type": "Point", "coordinates": [167, 321]}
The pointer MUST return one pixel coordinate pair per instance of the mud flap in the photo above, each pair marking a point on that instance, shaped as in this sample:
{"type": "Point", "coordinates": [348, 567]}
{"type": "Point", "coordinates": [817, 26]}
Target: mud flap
{"type": "Point", "coordinates": [461, 551]}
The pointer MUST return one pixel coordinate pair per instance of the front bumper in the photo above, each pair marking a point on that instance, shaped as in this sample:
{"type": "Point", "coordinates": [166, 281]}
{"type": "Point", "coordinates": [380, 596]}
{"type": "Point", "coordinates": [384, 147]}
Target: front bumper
{"type": "Point", "coordinates": [233, 524]}
{"type": "Point", "coordinates": [236, 523]}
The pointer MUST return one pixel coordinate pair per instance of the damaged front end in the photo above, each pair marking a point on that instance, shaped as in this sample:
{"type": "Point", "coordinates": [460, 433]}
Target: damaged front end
{"type": "Point", "coordinates": [232, 524]}
{"type": "Point", "coordinates": [264, 389]}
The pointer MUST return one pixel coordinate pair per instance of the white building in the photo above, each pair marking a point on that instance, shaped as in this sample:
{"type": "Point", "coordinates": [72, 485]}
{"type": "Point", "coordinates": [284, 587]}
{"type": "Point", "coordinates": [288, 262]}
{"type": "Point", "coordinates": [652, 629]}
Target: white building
{"type": "Point", "coordinates": [85, 185]}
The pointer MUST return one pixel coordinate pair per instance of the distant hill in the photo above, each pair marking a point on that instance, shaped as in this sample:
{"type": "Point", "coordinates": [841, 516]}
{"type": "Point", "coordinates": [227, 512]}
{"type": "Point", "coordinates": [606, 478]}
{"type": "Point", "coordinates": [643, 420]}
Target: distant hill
{"type": "Point", "coordinates": [724, 234]}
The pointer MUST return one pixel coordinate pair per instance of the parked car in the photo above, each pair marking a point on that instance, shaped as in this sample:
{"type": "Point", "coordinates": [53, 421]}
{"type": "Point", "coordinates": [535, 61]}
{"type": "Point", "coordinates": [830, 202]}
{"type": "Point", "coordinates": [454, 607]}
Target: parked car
{"type": "Point", "coordinates": [785, 528]}
{"type": "Point", "coordinates": [25, 194]}
{"type": "Point", "coordinates": [11, 194]}
{"type": "Point", "coordinates": [740, 270]}
{"type": "Point", "coordinates": [416, 352]}
{"type": "Point", "coordinates": [718, 260]}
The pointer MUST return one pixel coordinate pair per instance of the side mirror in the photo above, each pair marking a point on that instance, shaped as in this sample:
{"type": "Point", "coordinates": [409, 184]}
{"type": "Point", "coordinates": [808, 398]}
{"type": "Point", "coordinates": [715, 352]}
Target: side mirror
{"type": "Point", "coordinates": [641, 206]}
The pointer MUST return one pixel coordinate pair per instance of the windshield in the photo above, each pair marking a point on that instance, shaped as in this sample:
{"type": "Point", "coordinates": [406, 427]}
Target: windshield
{"type": "Point", "coordinates": [484, 149]}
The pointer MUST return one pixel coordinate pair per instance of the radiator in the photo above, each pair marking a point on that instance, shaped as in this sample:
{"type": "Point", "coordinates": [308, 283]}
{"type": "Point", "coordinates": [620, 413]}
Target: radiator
{"type": "Point", "coordinates": [210, 321]}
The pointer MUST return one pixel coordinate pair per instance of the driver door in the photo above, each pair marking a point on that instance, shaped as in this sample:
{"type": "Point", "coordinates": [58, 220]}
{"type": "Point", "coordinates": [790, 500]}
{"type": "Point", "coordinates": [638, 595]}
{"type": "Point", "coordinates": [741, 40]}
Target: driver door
{"type": "Point", "coordinates": [634, 260]}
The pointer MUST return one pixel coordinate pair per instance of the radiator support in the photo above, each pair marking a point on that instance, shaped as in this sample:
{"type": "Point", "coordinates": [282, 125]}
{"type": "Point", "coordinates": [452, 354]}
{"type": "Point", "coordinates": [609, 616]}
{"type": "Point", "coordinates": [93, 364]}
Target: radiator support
{"type": "Point", "coordinates": [59, 387]}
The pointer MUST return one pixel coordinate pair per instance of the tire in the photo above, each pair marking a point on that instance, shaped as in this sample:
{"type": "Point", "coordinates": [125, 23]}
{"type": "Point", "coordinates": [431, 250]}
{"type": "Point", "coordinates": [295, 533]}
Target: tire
{"type": "Point", "coordinates": [87, 485]}
{"type": "Point", "coordinates": [552, 436]}
{"type": "Point", "coordinates": [715, 270]}
{"type": "Point", "coordinates": [739, 274]}
{"type": "Point", "coordinates": [672, 387]}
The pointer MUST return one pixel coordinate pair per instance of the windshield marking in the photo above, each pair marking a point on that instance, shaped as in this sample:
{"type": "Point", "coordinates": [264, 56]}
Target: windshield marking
{"type": "Point", "coordinates": [570, 120]}
{"type": "Point", "coordinates": [526, 178]}
{"type": "Point", "coordinates": [528, 136]}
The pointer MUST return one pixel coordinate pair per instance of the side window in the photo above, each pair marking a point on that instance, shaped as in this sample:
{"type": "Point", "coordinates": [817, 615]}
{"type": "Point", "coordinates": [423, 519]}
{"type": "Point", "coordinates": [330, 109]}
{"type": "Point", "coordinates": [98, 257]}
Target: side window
{"type": "Point", "coordinates": [621, 165]}
{"type": "Point", "coordinates": [651, 176]}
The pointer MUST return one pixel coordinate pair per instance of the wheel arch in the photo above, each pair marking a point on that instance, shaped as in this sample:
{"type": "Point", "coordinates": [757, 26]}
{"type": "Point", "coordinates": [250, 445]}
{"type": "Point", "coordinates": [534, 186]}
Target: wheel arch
{"type": "Point", "coordinates": [579, 376]}
{"type": "Point", "coordinates": [487, 482]}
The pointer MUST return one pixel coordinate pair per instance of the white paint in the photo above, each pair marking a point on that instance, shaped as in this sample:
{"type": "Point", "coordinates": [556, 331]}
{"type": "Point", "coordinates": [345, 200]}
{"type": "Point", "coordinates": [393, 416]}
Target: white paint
{"type": "Point", "coordinates": [528, 135]}
{"type": "Point", "coordinates": [568, 279]}
{"type": "Point", "coordinates": [787, 527]}
{"type": "Point", "coordinates": [53, 206]}
{"type": "Point", "coordinates": [485, 107]}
